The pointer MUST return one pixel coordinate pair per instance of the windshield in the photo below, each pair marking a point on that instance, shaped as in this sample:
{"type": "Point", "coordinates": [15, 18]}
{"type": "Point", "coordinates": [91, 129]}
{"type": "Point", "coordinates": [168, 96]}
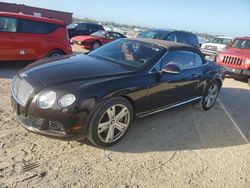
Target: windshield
{"type": "Point", "coordinates": [72, 26]}
{"type": "Point", "coordinates": [98, 34]}
{"type": "Point", "coordinates": [154, 34]}
{"type": "Point", "coordinates": [241, 44]}
{"type": "Point", "coordinates": [221, 41]}
{"type": "Point", "coordinates": [130, 53]}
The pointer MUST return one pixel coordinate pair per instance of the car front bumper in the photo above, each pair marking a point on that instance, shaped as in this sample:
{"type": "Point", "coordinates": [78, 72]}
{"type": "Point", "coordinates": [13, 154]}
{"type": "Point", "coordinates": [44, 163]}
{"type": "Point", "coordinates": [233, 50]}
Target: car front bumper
{"type": "Point", "coordinates": [235, 71]}
{"type": "Point", "coordinates": [50, 128]}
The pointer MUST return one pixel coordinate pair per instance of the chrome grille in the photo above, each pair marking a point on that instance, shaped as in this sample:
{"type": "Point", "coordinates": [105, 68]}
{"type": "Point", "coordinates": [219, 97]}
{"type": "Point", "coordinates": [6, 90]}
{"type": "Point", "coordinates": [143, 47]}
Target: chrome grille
{"type": "Point", "coordinates": [208, 47]}
{"type": "Point", "coordinates": [232, 60]}
{"type": "Point", "coordinates": [21, 90]}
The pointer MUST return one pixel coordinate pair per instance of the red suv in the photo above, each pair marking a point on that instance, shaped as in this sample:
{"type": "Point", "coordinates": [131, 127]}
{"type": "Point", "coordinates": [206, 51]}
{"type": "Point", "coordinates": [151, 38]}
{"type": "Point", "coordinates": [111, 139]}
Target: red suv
{"type": "Point", "coordinates": [29, 38]}
{"type": "Point", "coordinates": [236, 58]}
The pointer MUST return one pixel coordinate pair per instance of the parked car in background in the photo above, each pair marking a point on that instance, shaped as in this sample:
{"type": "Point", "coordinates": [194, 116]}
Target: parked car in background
{"type": "Point", "coordinates": [236, 58]}
{"type": "Point", "coordinates": [202, 40]}
{"type": "Point", "coordinates": [76, 29]}
{"type": "Point", "coordinates": [95, 40]}
{"type": "Point", "coordinates": [171, 35]}
{"type": "Point", "coordinates": [29, 38]}
{"type": "Point", "coordinates": [215, 46]}
{"type": "Point", "coordinates": [99, 95]}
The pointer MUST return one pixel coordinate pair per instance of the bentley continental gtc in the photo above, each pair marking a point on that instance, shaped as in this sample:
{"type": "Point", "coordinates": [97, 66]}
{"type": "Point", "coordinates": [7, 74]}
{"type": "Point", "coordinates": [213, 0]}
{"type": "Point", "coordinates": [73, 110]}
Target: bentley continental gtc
{"type": "Point", "coordinates": [98, 95]}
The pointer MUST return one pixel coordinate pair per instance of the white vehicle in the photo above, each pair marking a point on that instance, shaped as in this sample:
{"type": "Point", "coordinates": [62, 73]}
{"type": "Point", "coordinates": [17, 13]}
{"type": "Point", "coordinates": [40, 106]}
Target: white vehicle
{"type": "Point", "coordinates": [215, 46]}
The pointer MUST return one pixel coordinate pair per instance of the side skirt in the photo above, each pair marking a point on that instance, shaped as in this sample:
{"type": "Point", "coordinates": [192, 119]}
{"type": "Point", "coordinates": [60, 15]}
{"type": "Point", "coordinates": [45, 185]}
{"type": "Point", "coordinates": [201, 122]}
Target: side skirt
{"type": "Point", "coordinates": [168, 107]}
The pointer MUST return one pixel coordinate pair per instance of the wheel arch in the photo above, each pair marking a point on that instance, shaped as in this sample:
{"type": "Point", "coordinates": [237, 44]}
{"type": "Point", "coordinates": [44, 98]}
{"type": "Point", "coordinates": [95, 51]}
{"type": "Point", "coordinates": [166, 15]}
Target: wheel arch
{"type": "Point", "coordinates": [97, 41]}
{"type": "Point", "coordinates": [55, 49]}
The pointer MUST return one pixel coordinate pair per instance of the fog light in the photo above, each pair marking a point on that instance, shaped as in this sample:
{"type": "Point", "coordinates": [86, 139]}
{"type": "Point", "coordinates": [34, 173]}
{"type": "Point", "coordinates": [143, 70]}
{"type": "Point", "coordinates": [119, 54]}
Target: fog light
{"type": "Point", "coordinates": [66, 100]}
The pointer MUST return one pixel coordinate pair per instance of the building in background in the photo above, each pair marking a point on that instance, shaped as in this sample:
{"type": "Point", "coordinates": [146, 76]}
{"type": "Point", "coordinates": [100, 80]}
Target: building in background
{"type": "Point", "coordinates": [35, 11]}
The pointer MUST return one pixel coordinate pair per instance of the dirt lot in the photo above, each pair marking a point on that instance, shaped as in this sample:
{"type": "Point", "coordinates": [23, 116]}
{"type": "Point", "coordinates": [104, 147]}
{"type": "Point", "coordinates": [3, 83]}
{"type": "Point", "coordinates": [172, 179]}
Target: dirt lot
{"type": "Point", "coordinates": [180, 148]}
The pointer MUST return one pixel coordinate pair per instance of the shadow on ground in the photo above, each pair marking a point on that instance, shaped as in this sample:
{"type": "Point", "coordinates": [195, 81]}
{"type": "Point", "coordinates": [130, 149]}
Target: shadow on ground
{"type": "Point", "coordinates": [189, 128]}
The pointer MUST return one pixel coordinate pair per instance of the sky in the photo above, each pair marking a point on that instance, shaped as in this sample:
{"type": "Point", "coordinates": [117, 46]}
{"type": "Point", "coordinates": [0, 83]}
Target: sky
{"type": "Point", "coordinates": [217, 17]}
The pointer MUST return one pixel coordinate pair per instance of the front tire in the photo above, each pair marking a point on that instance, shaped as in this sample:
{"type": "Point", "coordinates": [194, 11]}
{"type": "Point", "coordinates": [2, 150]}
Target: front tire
{"type": "Point", "coordinates": [96, 45]}
{"type": "Point", "coordinates": [110, 122]}
{"type": "Point", "coordinates": [210, 95]}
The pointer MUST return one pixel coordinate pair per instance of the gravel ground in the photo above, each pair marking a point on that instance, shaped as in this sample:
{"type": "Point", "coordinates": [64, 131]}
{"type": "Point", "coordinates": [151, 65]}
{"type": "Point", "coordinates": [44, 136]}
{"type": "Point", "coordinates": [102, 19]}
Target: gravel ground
{"type": "Point", "coordinates": [183, 147]}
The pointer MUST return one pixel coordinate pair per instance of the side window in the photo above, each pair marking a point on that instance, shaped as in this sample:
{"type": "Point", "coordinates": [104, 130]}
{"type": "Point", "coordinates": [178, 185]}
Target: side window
{"type": "Point", "coordinates": [82, 27]}
{"type": "Point", "coordinates": [112, 36]}
{"type": "Point", "coordinates": [109, 35]}
{"type": "Point", "coordinates": [183, 59]}
{"type": "Point", "coordinates": [193, 40]}
{"type": "Point", "coordinates": [117, 35]}
{"type": "Point", "coordinates": [172, 37]}
{"type": "Point", "coordinates": [8, 24]}
{"type": "Point", "coordinates": [53, 27]}
{"type": "Point", "coordinates": [182, 37]}
{"type": "Point", "coordinates": [29, 26]}
{"type": "Point", "coordinates": [158, 35]}
{"type": "Point", "coordinates": [92, 26]}
{"type": "Point", "coordinates": [198, 60]}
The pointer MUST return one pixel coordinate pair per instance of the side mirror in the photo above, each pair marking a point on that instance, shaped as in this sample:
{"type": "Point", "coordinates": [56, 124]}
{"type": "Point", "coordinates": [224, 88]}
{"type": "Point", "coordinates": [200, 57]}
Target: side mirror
{"type": "Point", "coordinates": [171, 68]}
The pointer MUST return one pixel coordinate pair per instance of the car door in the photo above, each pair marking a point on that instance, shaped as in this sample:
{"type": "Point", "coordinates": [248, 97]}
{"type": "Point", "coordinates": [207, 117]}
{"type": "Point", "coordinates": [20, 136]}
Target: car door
{"type": "Point", "coordinates": [9, 45]}
{"type": "Point", "coordinates": [33, 39]}
{"type": "Point", "coordinates": [168, 89]}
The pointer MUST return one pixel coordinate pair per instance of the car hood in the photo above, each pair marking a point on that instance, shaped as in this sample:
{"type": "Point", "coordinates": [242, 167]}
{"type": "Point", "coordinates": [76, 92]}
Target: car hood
{"type": "Point", "coordinates": [237, 52]}
{"type": "Point", "coordinates": [63, 70]}
{"type": "Point", "coordinates": [84, 38]}
{"type": "Point", "coordinates": [219, 46]}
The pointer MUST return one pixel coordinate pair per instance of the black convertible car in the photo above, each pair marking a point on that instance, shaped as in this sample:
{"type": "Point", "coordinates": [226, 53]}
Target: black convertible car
{"type": "Point", "coordinates": [98, 95]}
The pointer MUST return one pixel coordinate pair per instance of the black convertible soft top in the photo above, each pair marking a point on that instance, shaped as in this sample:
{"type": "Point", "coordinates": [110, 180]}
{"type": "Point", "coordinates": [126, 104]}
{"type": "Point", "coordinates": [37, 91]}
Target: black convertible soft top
{"type": "Point", "coordinates": [169, 45]}
{"type": "Point", "coordinates": [163, 43]}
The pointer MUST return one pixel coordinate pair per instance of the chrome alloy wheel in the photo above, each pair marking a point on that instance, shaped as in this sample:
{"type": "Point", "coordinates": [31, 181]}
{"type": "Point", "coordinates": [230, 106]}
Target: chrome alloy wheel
{"type": "Point", "coordinates": [211, 96]}
{"type": "Point", "coordinates": [113, 123]}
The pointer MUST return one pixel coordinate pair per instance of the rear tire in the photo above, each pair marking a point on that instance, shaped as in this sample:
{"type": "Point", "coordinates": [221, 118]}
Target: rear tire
{"type": "Point", "coordinates": [110, 122]}
{"type": "Point", "coordinates": [210, 95]}
{"type": "Point", "coordinates": [55, 53]}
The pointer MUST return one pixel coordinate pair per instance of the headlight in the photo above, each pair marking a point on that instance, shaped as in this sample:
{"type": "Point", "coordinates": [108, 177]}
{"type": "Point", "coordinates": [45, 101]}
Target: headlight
{"type": "Point", "coordinates": [247, 61]}
{"type": "Point", "coordinates": [221, 57]}
{"type": "Point", "coordinates": [79, 42]}
{"type": "Point", "coordinates": [46, 100]}
{"type": "Point", "coordinates": [66, 100]}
